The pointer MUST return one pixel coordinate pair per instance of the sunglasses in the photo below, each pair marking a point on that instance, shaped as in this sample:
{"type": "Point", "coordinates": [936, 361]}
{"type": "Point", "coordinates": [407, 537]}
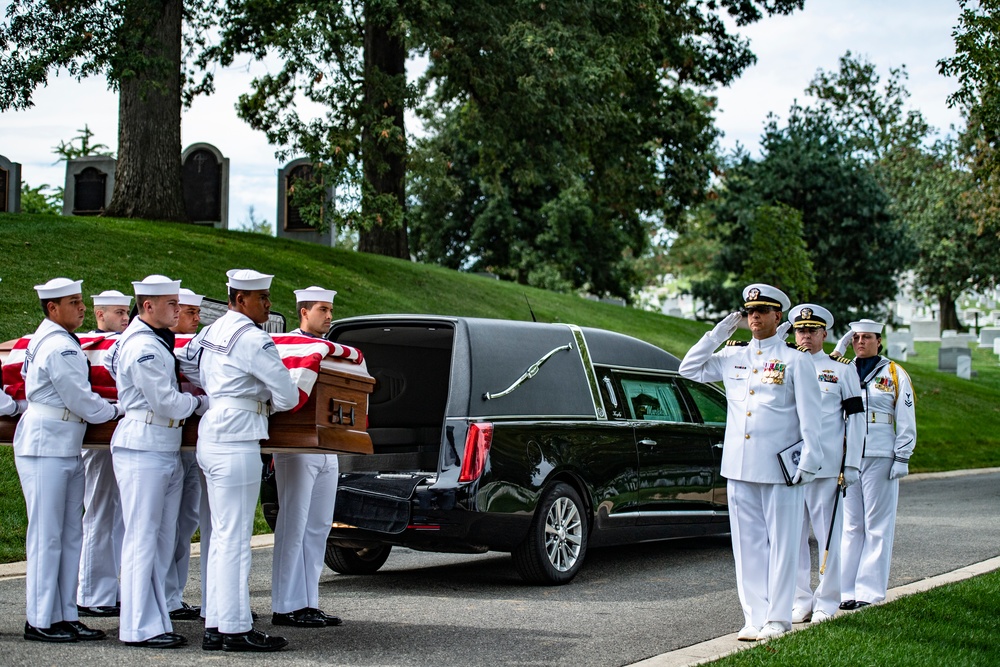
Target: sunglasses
{"type": "Point", "coordinates": [763, 310]}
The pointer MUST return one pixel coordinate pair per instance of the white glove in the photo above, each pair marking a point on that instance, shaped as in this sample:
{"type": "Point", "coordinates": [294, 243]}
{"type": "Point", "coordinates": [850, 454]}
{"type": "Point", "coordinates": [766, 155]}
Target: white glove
{"type": "Point", "coordinates": [22, 405]}
{"type": "Point", "coordinates": [844, 343]}
{"type": "Point", "coordinates": [803, 477]}
{"type": "Point", "coordinates": [851, 476]}
{"type": "Point", "coordinates": [783, 330]}
{"type": "Point", "coordinates": [202, 405]}
{"type": "Point", "coordinates": [724, 329]}
{"type": "Point", "coordinates": [899, 470]}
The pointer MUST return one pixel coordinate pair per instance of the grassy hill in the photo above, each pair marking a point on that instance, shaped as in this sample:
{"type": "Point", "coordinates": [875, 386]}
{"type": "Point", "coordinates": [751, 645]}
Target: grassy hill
{"type": "Point", "coordinates": [957, 420]}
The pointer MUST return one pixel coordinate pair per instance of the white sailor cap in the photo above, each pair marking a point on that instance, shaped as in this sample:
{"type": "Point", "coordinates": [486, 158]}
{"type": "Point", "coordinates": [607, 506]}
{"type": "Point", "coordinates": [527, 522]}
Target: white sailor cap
{"type": "Point", "coordinates": [759, 294]}
{"type": "Point", "coordinates": [189, 298]}
{"type": "Point", "coordinates": [156, 285]}
{"type": "Point", "coordinates": [248, 280]}
{"type": "Point", "coordinates": [111, 297]}
{"type": "Point", "coordinates": [867, 326]}
{"type": "Point", "coordinates": [314, 294]}
{"type": "Point", "coordinates": [810, 315]}
{"type": "Point", "coordinates": [58, 288]}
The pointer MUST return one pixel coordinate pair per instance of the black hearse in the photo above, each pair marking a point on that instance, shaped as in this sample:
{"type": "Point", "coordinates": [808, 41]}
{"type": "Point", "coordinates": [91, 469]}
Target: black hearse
{"type": "Point", "coordinates": [537, 439]}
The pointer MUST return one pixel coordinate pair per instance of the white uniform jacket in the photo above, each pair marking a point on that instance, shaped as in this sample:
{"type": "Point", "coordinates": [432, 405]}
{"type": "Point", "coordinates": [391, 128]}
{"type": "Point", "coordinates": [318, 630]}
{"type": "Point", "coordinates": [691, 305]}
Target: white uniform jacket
{"type": "Point", "coordinates": [840, 392]}
{"type": "Point", "coordinates": [240, 361]}
{"type": "Point", "coordinates": [57, 375]}
{"type": "Point", "coordinates": [774, 401]}
{"type": "Point", "coordinates": [8, 406]}
{"type": "Point", "coordinates": [143, 366]}
{"type": "Point", "coordinates": [890, 420]}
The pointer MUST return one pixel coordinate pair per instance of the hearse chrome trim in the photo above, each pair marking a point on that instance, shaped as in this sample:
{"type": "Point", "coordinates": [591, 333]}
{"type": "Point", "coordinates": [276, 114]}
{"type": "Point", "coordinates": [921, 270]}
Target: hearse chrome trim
{"type": "Point", "coordinates": [528, 374]}
{"type": "Point", "coordinates": [588, 367]}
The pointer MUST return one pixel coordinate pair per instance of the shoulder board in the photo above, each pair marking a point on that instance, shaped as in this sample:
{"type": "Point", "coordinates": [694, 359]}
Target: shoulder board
{"type": "Point", "coordinates": [796, 347]}
{"type": "Point", "coordinates": [843, 360]}
{"type": "Point", "coordinates": [737, 343]}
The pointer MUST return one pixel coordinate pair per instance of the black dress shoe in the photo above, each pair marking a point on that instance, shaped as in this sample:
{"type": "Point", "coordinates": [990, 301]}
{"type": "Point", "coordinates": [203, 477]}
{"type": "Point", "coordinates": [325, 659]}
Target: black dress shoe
{"type": "Point", "coordinates": [328, 619]}
{"type": "Point", "coordinates": [102, 612]}
{"type": "Point", "coordinates": [53, 634]}
{"type": "Point", "coordinates": [185, 613]}
{"type": "Point", "coordinates": [847, 604]}
{"type": "Point", "coordinates": [861, 603]}
{"type": "Point", "coordinates": [166, 640]}
{"type": "Point", "coordinates": [255, 640]}
{"type": "Point", "coordinates": [83, 633]}
{"type": "Point", "coordinates": [211, 640]}
{"type": "Point", "coordinates": [298, 619]}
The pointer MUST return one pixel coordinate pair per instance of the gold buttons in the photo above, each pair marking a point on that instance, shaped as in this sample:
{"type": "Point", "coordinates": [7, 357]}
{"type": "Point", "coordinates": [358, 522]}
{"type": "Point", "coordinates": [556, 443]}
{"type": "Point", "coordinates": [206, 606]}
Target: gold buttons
{"type": "Point", "coordinates": [760, 352]}
{"type": "Point", "coordinates": [751, 392]}
{"type": "Point", "coordinates": [755, 371]}
{"type": "Point", "coordinates": [747, 436]}
{"type": "Point", "coordinates": [748, 414]}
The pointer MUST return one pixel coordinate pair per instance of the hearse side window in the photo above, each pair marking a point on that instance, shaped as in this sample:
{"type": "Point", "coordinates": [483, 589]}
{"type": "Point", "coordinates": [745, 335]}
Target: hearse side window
{"type": "Point", "coordinates": [609, 392]}
{"type": "Point", "coordinates": [710, 403]}
{"type": "Point", "coordinates": [653, 399]}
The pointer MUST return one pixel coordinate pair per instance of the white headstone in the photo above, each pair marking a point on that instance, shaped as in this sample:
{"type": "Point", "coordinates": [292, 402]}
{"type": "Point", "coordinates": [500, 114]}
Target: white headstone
{"type": "Point", "coordinates": [987, 335]}
{"type": "Point", "coordinates": [897, 351]}
{"type": "Point", "coordinates": [963, 367]}
{"type": "Point", "coordinates": [996, 347]}
{"type": "Point", "coordinates": [948, 333]}
{"type": "Point", "coordinates": [948, 342]}
{"type": "Point", "coordinates": [926, 330]}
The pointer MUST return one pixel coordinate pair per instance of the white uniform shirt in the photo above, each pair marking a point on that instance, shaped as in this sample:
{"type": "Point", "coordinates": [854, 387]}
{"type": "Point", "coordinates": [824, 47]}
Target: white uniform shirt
{"type": "Point", "coordinates": [882, 439]}
{"type": "Point", "coordinates": [838, 382]}
{"type": "Point", "coordinates": [143, 368]}
{"type": "Point", "coordinates": [239, 360]}
{"type": "Point", "coordinates": [774, 401]}
{"type": "Point", "coordinates": [8, 406]}
{"type": "Point", "coordinates": [56, 374]}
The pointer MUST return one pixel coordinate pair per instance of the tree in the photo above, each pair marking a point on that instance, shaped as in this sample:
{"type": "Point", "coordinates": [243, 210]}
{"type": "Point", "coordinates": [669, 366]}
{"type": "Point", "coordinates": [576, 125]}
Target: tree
{"type": "Point", "coordinates": [136, 45]}
{"type": "Point", "coordinates": [779, 226]}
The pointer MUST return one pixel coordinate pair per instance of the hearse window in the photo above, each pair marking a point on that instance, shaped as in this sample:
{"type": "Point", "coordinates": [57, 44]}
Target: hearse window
{"type": "Point", "coordinates": [710, 403]}
{"type": "Point", "coordinates": [608, 392]}
{"type": "Point", "coordinates": [653, 399]}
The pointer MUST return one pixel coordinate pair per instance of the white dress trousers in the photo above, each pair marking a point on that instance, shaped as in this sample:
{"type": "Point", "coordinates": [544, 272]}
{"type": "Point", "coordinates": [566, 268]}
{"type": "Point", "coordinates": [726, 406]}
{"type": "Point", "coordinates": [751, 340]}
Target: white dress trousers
{"type": "Point", "coordinates": [819, 508]}
{"type": "Point", "coordinates": [103, 530]}
{"type": "Point", "coordinates": [53, 492]}
{"type": "Point", "coordinates": [188, 519]}
{"type": "Point", "coordinates": [205, 525]}
{"type": "Point", "coordinates": [307, 491]}
{"type": "Point", "coordinates": [232, 474]}
{"type": "Point", "coordinates": [869, 528]}
{"type": "Point", "coordinates": [150, 484]}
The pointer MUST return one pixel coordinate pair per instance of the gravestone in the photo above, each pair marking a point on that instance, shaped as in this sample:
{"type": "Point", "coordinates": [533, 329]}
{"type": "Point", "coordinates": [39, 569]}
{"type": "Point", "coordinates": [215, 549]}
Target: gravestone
{"type": "Point", "coordinates": [291, 225]}
{"type": "Point", "coordinates": [205, 179]}
{"type": "Point", "coordinates": [89, 183]}
{"type": "Point", "coordinates": [996, 347]}
{"type": "Point", "coordinates": [987, 335]}
{"type": "Point", "coordinates": [948, 358]}
{"type": "Point", "coordinates": [963, 368]}
{"type": "Point", "coordinates": [925, 330]}
{"type": "Point", "coordinates": [958, 342]}
{"type": "Point", "coordinates": [902, 337]}
{"type": "Point", "coordinates": [897, 351]}
{"type": "Point", "coordinates": [10, 186]}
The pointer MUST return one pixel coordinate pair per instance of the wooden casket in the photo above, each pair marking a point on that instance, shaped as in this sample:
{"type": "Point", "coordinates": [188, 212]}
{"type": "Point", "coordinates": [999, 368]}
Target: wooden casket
{"type": "Point", "coordinates": [334, 418]}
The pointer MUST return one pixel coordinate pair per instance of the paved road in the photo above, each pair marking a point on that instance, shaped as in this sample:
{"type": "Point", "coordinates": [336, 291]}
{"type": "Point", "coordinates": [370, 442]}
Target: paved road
{"type": "Point", "coordinates": [627, 604]}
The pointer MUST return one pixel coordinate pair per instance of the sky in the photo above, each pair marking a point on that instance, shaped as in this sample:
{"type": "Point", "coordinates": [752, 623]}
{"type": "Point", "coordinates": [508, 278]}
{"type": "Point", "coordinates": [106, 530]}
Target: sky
{"type": "Point", "coordinates": [790, 50]}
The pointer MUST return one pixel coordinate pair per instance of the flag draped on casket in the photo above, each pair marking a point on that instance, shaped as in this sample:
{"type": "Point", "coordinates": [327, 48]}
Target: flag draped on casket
{"type": "Point", "coordinates": [300, 354]}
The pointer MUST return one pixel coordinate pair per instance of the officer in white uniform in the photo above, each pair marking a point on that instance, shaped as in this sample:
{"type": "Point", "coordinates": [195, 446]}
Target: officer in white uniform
{"type": "Point", "coordinates": [103, 528]}
{"type": "Point", "coordinates": [307, 491]}
{"type": "Point", "coordinates": [842, 437]}
{"type": "Point", "coordinates": [890, 437]}
{"type": "Point", "coordinates": [774, 401]}
{"type": "Point", "coordinates": [190, 514]}
{"type": "Point", "coordinates": [146, 453]}
{"type": "Point", "coordinates": [246, 381]}
{"type": "Point", "coordinates": [47, 445]}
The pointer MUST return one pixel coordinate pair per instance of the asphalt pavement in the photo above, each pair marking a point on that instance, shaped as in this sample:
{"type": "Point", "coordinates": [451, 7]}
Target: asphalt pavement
{"type": "Point", "coordinates": [628, 604]}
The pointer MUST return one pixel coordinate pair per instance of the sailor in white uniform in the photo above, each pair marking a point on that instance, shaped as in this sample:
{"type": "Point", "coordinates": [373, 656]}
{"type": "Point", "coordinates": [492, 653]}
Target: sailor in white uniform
{"type": "Point", "coordinates": [146, 453]}
{"type": "Point", "coordinates": [47, 445]}
{"type": "Point", "coordinates": [246, 381]}
{"type": "Point", "coordinates": [889, 440]}
{"type": "Point", "coordinates": [189, 516]}
{"type": "Point", "coordinates": [842, 437]}
{"type": "Point", "coordinates": [774, 401]}
{"type": "Point", "coordinates": [103, 528]}
{"type": "Point", "coordinates": [10, 407]}
{"type": "Point", "coordinates": [307, 491]}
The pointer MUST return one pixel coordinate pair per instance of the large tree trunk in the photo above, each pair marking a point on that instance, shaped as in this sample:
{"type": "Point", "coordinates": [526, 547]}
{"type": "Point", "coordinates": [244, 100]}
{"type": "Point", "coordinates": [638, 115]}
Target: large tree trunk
{"type": "Point", "coordinates": [384, 152]}
{"type": "Point", "coordinates": [148, 174]}
{"type": "Point", "coordinates": [947, 314]}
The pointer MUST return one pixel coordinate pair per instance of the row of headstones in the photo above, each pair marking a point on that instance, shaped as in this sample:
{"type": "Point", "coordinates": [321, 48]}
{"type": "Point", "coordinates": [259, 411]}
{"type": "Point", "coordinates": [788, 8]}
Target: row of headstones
{"type": "Point", "coordinates": [954, 355]}
{"type": "Point", "coordinates": [90, 182]}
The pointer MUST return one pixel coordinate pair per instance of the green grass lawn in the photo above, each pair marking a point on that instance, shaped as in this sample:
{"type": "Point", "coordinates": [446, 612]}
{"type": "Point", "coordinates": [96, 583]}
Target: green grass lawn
{"type": "Point", "coordinates": [955, 625]}
{"type": "Point", "coordinates": [957, 420]}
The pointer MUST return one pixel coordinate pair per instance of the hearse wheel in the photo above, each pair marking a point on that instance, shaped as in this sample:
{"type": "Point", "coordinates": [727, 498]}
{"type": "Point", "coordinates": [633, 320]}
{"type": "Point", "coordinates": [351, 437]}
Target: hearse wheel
{"type": "Point", "coordinates": [556, 544]}
{"type": "Point", "coordinates": [347, 560]}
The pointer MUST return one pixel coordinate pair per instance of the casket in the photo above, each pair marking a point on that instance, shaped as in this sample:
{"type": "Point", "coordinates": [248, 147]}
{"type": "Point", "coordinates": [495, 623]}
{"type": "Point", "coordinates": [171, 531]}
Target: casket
{"type": "Point", "coordinates": [333, 419]}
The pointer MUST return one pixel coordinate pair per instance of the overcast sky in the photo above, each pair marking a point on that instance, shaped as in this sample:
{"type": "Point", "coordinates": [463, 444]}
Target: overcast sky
{"type": "Point", "coordinates": [915, 33]}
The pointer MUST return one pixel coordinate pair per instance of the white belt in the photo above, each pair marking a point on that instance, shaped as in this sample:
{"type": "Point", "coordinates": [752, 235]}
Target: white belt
{"type": "Point", "coordinates": [248, 404]}
{"type": "Point", "coordinates": [52, 412]}
{"type": "Point", "coordinates": [148, 417]}
{"type": "Point", "coordinates": [879, 418]}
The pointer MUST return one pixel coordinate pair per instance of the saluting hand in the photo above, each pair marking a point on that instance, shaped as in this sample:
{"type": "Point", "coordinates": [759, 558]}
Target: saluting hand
{"type": "Point", "coordinates": [844, 343]}
{"type": "Point", "coordinates": [724, 329]}
{"type": "Point", "coordinates": [783, 330]}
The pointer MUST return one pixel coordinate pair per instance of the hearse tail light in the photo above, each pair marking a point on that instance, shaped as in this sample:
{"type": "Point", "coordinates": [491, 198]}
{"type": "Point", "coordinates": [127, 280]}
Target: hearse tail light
{"type": "Point", "coordinates": [477, 448]}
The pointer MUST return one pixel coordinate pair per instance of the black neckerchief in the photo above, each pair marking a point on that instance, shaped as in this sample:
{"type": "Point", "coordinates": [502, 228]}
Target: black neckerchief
{"type": "Point", "coordinates": [167, 337]}
{"type": "Point", "coordinates": [867, 366]}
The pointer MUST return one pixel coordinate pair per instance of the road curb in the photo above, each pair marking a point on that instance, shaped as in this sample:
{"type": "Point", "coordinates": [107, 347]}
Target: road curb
{"type": "Point", "coordinates": [713, 649]}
